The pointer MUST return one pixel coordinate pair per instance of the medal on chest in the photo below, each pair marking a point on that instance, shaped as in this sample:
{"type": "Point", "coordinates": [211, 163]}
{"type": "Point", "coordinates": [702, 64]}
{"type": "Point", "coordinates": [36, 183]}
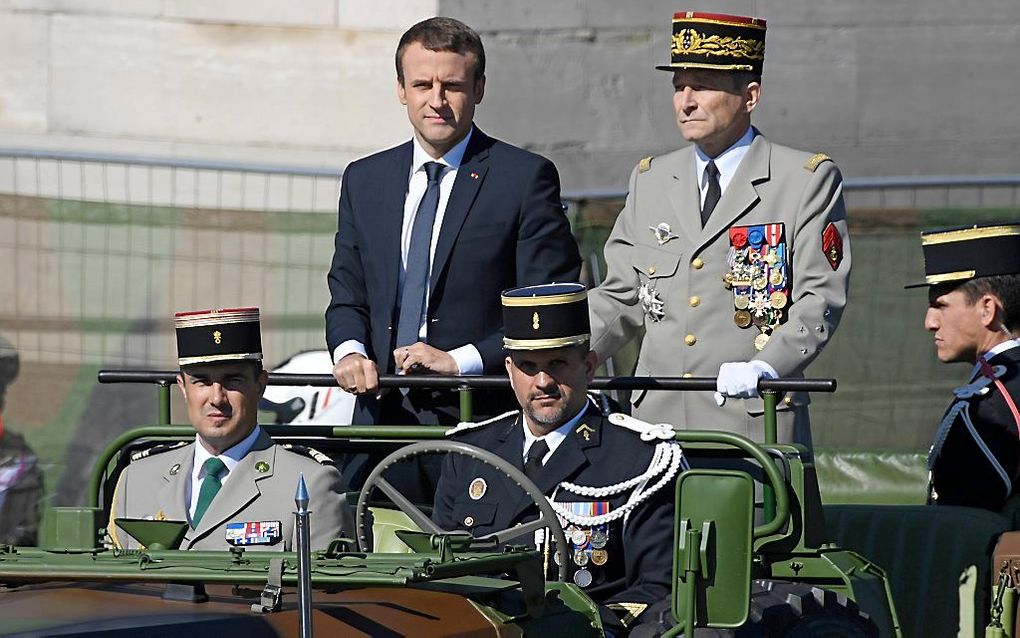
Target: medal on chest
{"type": "Point", "coordinates": [758, 278]}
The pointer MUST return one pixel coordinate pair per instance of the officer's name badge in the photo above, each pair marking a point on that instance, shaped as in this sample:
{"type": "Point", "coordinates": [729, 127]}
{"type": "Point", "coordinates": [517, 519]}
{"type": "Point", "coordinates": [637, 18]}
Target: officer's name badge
{"type": "Point", "coordinates": [254, 533]}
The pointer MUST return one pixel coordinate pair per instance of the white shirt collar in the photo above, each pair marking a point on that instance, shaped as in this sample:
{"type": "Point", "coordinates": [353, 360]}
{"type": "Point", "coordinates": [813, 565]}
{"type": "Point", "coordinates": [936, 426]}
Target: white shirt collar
{"type": "Point", "coordinates": [727, 161]}
{"type": "Point", "coordinates": [452, 158]}
{"type": "Point", "coordinates": [554, 438]}
{"type": "Point", "coordinates": [1008, 344]}
{"type": "Point", "coordinates": [230, 457]}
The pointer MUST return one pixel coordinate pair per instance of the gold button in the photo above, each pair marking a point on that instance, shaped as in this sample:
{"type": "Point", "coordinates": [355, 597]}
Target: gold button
{"type": "Point", "coordinates": [788, 401]}
{"type": "Point", "coordinates": [697, 264]}
{"type": "Point", "coordinates": [687, 375]}
{"type": "Point", "coordinates": [651, 270]}
{"type": "Point", "coordinates": [690, 340]}
{"type": "Point", "coordinates": [469, 520]}
{"type": "Point", "coordinates": [695, 301]}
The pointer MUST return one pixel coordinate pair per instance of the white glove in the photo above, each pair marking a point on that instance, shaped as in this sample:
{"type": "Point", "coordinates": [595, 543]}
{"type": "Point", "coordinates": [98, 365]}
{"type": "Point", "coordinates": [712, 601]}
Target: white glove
{"type": "Point", "coordinates": [740, 379]}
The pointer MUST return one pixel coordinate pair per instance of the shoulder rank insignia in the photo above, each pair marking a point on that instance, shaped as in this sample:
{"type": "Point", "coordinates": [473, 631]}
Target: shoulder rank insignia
{"type": "Point", "coordinates": [310, 452]}
{"type": "Point", "coordinates": [645, 164]}
{"type": "Point", "coordinates": [464, 426]}
{"type": "Point", "coordinates": [157, 449]}
{"type": "Point", "coordinates": [815, 160]}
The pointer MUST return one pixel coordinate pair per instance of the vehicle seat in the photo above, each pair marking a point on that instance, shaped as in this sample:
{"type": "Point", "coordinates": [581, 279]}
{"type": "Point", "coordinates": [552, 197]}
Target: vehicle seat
{"type": "Point", "coordinates": [924, 550]}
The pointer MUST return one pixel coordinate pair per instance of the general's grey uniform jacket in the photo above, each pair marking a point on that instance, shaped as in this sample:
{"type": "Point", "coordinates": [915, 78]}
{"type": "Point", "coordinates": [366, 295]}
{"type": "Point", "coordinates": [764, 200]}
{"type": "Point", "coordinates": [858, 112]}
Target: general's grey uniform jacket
{"type": "Point", "coordinates": [773, 184]}
{"type": "Point", "coordinates": [157, 486]}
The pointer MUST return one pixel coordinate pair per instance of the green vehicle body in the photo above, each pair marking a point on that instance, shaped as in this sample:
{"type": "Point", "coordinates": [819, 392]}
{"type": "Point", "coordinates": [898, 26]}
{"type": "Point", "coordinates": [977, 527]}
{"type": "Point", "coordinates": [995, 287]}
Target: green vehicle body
{"type": "Point", "coordinates": [718, 548]}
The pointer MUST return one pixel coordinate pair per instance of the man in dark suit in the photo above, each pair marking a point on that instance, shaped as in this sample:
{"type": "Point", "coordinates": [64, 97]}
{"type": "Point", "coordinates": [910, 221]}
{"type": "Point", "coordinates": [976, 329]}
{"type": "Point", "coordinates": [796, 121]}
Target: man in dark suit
{"type": "Point", "coordinates": [973, 275]}
{"type": "Point", "coordinates": [431, 231]}
{"type": "Point", "coordinates": [609, 477]}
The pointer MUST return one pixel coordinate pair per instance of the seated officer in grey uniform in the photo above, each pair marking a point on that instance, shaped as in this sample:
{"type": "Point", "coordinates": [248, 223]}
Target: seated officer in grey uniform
{"type": "Point", "coordinates": [233, 485]}
{"type": "Point", "coordinates": [973, 279]}
{"type": "Point", "coordinates": [609, 477]}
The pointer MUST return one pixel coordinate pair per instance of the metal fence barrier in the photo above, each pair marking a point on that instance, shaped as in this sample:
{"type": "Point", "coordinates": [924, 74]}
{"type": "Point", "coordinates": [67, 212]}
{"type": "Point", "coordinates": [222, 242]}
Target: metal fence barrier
{"type": "Point", "coordinates": [98, 251]}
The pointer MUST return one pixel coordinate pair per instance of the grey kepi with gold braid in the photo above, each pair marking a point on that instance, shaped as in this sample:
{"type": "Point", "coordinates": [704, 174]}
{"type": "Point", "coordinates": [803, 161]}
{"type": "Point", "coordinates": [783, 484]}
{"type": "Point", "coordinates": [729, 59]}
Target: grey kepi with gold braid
{"type": "Point", "coordinates": [210, 336]}
{"type": "Point", "coordinates": [956, 255]}
{"type": "Point", "coordinates": [545, 316]}
{"type": "Point", "coordinates": [716, 41]}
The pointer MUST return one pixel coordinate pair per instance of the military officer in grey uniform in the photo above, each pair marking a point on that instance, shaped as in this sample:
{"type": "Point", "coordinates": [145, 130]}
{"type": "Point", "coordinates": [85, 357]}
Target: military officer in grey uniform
{"type": "Point", "coordinates": [609, 477]}
{"type": "Point", "coordinates": [731, 254]}
{"type": "Point", "coordinates": [973, 279]}
{"type": "Point", "coordinates": [233, 484]}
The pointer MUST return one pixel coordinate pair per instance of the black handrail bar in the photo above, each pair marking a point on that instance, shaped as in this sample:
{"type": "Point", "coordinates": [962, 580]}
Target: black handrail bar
{"type": "Point", "coordinates": [166, 377]}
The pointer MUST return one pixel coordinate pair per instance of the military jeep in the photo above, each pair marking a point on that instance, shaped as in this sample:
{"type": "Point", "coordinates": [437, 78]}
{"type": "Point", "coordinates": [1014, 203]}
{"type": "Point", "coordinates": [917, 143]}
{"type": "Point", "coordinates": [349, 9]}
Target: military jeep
{"type": "Point", "coordinates": [743, 565]}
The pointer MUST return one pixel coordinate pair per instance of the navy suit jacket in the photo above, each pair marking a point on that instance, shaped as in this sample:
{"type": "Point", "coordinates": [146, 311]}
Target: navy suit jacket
{"type": "Point", "coordinates": [503, 227]}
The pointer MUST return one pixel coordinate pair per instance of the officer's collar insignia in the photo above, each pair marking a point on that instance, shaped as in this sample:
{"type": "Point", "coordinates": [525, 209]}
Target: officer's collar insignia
{"type": "Point", "coordinates": [663, 233]}
{"type": "Point", "coordinates": [174, 469]}
{"type": "Point", "coordinates": [262, 467]}
{"type": "Point", "coordinates": [585, 430]}
{"type": "Point", "coordinates": [477, 488]}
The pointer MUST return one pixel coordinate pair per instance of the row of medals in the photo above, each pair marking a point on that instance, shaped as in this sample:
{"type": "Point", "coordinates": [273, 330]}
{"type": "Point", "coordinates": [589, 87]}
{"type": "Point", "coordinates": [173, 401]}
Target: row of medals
{"type": "Point", "coordinates": [588, 546]}
{"type": "Point", "coordinates": [751, 297]}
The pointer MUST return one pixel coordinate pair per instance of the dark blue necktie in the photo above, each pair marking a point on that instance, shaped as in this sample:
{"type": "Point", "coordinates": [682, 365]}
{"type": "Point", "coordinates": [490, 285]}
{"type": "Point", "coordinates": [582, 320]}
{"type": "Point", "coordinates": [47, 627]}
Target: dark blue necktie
{"type": "Point", "coordinates": [416, 277]}
{"type": "Point", "coordinates": [714, 193]}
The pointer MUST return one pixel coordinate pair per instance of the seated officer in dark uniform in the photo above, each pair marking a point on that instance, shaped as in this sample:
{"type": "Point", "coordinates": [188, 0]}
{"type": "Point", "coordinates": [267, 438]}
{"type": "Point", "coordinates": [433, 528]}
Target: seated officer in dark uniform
{"type": "Point", "coordinates": [973, 275]}
{"type": "Point", "coordinates": [609, 478]}
{"type": "Point", "coordinates": [232, 484]}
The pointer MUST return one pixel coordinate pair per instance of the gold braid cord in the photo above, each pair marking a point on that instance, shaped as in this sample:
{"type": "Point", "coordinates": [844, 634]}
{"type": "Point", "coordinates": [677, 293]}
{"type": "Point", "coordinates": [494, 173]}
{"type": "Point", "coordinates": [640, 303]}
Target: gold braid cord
{"type": "Point", "coordinates": [691, 42]}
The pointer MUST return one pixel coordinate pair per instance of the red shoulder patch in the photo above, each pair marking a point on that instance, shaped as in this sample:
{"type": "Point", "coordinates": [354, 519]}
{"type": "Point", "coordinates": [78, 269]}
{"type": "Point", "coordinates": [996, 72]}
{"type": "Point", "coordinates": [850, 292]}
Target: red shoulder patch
{"type": "Point", "coordinates": [832, 245]}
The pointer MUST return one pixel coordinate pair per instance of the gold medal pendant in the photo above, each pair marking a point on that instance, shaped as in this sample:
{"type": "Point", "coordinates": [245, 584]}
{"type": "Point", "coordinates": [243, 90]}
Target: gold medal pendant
{"type": "Point", "coordinates": [742, 318]}
{"type": "Point", "coordinates": [760, 341]}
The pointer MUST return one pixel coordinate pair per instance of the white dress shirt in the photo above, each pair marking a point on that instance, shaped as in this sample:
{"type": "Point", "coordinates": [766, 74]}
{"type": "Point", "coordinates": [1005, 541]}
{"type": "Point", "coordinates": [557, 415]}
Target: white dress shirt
{"type": "Point", "coordinates": [230, 457]}
{"type": "Point", "coordinates": [467, 357]}
{"type": "Point", "coordinates": [727, 163]}
{"type": "Point", "coordinates": [554, 438]}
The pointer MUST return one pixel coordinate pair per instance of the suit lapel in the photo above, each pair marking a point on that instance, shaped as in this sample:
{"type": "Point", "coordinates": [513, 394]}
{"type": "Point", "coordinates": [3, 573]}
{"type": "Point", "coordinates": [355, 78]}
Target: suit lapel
{"type": "Point", "coordinates": [389, 225]}
{"type": "Point", "coordinates": [741, 194]}
{"type": "Point", "coordinates": [685, 196]}
{"type": "Point", "coordinates": [470, 176]}
{"type": "Point", "coordinates": [172, 495]}
{"type": "Point", "coordinates": [240, 490]}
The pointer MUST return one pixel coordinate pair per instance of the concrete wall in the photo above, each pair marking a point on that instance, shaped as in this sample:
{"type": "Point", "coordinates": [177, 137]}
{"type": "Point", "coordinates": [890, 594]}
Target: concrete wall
{"type": "Point", "coordinates": [912, 87]}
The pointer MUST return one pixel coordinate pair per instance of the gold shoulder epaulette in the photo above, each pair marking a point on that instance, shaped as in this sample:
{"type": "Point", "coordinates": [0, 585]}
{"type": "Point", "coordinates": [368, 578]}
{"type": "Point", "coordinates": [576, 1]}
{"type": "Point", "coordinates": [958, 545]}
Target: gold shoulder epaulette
{"type": "Point", "coordinates": [157, 449]}
{"type": "Point", "coordinates": [815, 160]}
{"type": "Point", "coordinates": [645, 164]}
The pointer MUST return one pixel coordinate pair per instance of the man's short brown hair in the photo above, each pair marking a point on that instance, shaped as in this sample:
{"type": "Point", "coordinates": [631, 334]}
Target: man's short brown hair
{"type": "Point", "coordinates": [443, 34]}
{"type": "Point", "coordinates": [1005, 287]}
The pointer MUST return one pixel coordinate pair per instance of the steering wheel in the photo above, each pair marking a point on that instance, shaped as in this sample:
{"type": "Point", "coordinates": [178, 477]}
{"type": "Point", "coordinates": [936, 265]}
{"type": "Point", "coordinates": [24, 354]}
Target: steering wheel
{"type": "Point", "coordinates": [547, 516]}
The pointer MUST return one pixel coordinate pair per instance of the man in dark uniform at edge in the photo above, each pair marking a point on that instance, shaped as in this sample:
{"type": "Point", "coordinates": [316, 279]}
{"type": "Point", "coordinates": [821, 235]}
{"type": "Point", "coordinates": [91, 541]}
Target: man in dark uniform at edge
{"type": "Point", "coordinates": [973, 275]}
{"type": "Point", "coordinates": [620, 539]}
{"type": "Point", "coordinates": [430, 232]}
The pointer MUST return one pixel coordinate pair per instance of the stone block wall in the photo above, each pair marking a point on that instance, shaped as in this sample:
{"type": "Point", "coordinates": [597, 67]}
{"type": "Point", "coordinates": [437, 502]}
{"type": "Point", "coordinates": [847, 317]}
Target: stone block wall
{"type": "Point", "coordinates": [912, 87]}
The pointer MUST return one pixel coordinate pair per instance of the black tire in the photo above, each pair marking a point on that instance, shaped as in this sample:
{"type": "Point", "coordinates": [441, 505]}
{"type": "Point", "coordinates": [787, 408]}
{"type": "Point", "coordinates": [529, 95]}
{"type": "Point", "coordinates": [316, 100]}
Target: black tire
{"type": "Point", "coordinates": [780, 609]}
{"type": "Point", "coordinates": [798, 610]}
